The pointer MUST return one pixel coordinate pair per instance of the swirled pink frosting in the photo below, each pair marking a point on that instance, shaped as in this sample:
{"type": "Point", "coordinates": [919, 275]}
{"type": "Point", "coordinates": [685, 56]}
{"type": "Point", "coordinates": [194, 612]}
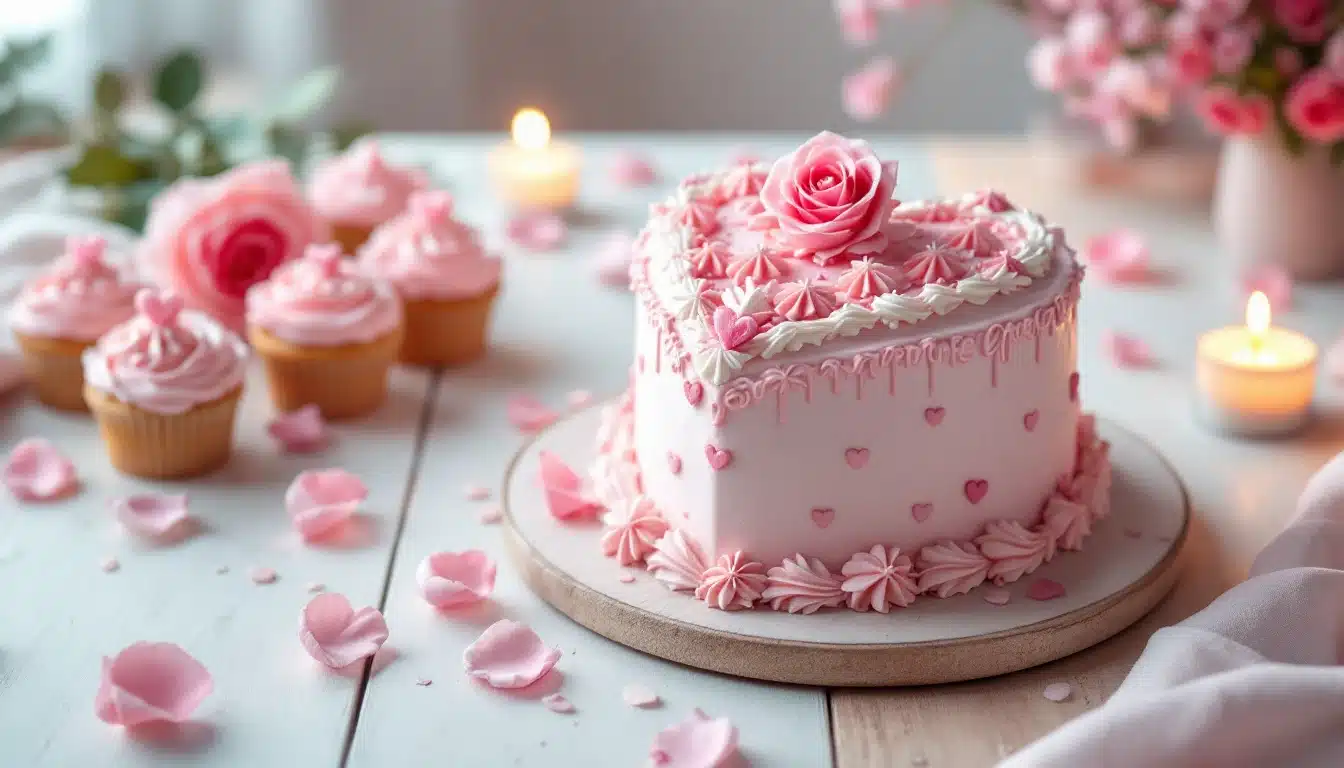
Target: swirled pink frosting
{"type": "Point", "coordinates": [360, 187]}
{"type": "Point", "coordinates": [734, 582]}
{"type": "Point", "coordinates": [951, 568]}
{"type": "Point", "coordinates": [323, 300]}
{"type": "Point", "coordinates": [428, 253]}
{"type": "Point", "coordinates": [632, 537]}
{"type": "Point", "coordinates": [677, 561]}
{"type": "Point", "coordinates": [760, 267]}
{"type": "Point", "coordinates": [976, 237]}
{"type": "Point", "coordinates": [710, 260]}
{"type": "Point", "coordinates": [801, 585]}
{"type": "Point", "coordinates": [1014, 550]}
{"type": "Point", "coordinates": [1067, 521]}
{"type": "Point", "coordinates": [866, 278]}
{"type": "Point", "coordinates": [742, 181]}
{"type": "Point", "coordinates": [81, 297]}
{"type": "Point", "coordinates": [804, 301]}
{"type": "Point", "coordinates": [879, 579]}
{"type": "Point", "coordinates": [165, 360]}
{"type": "Point", "coordinates": [936, 264]}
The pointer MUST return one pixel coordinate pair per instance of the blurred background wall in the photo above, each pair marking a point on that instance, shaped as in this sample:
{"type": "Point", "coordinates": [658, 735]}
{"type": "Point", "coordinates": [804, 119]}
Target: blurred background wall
{"type": "Point", "coordinates": [591, 64]}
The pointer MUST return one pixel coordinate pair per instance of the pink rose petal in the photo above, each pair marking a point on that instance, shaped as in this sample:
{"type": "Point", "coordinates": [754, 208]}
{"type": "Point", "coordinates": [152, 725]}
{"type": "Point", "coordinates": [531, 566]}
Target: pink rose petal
{"type": "Point", "coordinates": [452, 579]}
{"type": "Point", "coordinates": [509, 655]}
{"type": "Point", "coordinates": [1058, 692]}
{"type": "Point", "coordinates": [1126, 351]}
{"type": "Point", "coordinates": [536, 230]}
{"type": "Point", "coordinates": [476, 493]}
{"type": "Point", "coordinates": [301, 431]}
{"type": "Point", "coordinates": [1274, 282]}
{"type": "Point", "coordinates": [564, 491]}
{"type": "Point", "coordinates": [151, 682]}
{"type": "Point", "coordinates": [632, 169]}
{"type": "Point", "coordinates": [636, 695]}
{"type": "Point", "coordinates": [491, 515]}
{"type": "Point", "coordinates": [110, 565]}
{"type": "Point", "coordinates": [261, 575]}
{"type": "Point", "coordinates": [697, 742]}
{"type": "Point", "coordinates": [527, 414]}
{"type": "Point", "coordinates": [1118, 257]}
{"type": "Point", "coordinates": [153, 515]}
{"type": "Point", "coordinates": [1045, 589]}
{"type": "Point", "coordinates": [37, 471]}
{"type": "Point", "coordinates": [996, 596]}
{"type": "Point", "coordinates": [321, 501]}
{"type": "Point", "coordinates": [611, 260]}
{"type": "Point", "coordinates": [868, 92]}
{"type": "Point", "coordinates": [558, 704]}
{"type": "Point", "coordinates": [579, 398]}
{"type": "Point", "coordinates": [626, 578]}
{"type": "Point", "coordinates": [336, 634]}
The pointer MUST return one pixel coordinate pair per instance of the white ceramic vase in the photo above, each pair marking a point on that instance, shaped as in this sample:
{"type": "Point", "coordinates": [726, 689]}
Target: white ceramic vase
{"type": "Point", "coordinates": [1274, 208]}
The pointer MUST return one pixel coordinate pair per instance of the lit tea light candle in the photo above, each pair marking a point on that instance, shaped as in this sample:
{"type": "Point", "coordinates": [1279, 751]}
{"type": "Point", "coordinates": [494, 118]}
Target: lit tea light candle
{"type": "Point", "coordinates": [1255, 380]}
{"type": "Point", "coordinates": [532, 171]}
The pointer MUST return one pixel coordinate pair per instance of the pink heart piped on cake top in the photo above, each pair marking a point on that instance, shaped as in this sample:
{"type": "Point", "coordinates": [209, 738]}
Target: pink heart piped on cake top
{"type": "Point", "coordinates": [934, 416]}
{"type": "Point", "coordinates": [719, 458]}
{"type": "Point", "coordinates": [1031, 419]}
{"type": "Point", "coordinates": [823, 516]}
{"type": "Point", "coordinates": [976, 490]}
{"type": "Point", "coordinates": [694, 390]}
{"type": "Point", "coordinates": [856, 458]}
{"type": "Point", "coordinates": [1073, 387]}
{"type": "Point", "coordinates": [673, 463]}
{"type": "Point", "coordinates": [921, 511]}
{"type": "Point", "coordinates": [732, 329]}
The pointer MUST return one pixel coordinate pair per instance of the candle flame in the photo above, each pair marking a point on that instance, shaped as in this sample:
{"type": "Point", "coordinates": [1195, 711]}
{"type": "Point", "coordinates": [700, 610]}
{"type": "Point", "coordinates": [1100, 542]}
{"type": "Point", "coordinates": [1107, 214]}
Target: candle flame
{"type": "Point", "coordinates": [531, 129]}
{"type": "Point", "coordinates": [1257, 316]}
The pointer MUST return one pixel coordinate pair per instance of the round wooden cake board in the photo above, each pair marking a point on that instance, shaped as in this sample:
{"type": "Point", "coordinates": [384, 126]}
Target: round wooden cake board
{"type": "Point", "coordinates": [1128, 564]}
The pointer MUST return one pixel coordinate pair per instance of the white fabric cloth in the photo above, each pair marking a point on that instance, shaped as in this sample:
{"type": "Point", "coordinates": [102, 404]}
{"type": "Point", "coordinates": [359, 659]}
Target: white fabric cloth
{"type": "Point", "coordinates": [1255, 679]}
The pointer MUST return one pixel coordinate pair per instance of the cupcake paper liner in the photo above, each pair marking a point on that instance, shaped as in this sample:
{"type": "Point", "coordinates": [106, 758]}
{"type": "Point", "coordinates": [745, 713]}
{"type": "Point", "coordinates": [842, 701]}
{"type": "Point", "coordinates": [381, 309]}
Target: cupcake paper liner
{"type": "Point", "coordinates": [343, 381]}
{"type": "Point", "coordinates": [445, 333]}
{"type": "Point", "coordinates": [55, 370]}
{"type": "Point", "coordinates": [165, 446]}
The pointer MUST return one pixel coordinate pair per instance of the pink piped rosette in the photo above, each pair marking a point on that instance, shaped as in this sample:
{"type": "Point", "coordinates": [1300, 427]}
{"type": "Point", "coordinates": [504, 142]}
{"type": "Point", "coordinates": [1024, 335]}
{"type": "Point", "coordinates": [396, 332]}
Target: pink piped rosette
{"type": "Point", "coordinates": [210, 240]}
{"type": "Point", "coordinates": [327, 333]}
{"type": "Point", "coordinates": [446, 279]}
{"type": "Point", "coordinates": [63, 312]}
{"type": "Point", "coordinates": [164, 387]}
{"type": "Point", "coordinates": [359, 190]}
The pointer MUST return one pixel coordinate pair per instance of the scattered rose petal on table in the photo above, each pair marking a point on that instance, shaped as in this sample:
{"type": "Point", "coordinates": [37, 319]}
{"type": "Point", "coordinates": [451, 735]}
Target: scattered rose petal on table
{"type": "Point", "coordinates": [626, 577]}
{"type": "Point", "coordinates": [262, 575]}
{"type": "Point", "coordinates": [858, 20]}
{"type": "Point", "coordinates": [158, 516]}
{"type": "Point", "coordinates": [558, 704]}
{"type": "Point", "coordinates": [630, 168]}
{"type": "Point", "coordinates": [110, 565]}
{"type": "Point", "coordinates": [1274, 282]}
{"type": "Point", "coordinates": [611, 260]}
{"type": "Point", "coordinates": [636, 695]}
{"type": "Point", "coordinates": [1126, 351]}
{"type": "Point", "coordinates": [697, 742]}
{"type": "Point", "coordinates": [564, 491]}
{"type": "Point", "coordinates": [151, 682]}
{"type": "Point", "coordinates": [528, 414]}
{"type": "Point", "coordinates": [491, 515]}
{"type": "Point", "coordinates": [1058, 692]}
{"type": "Point", "coordinates": [38, 471]}
{"type": "Point", "coordinates": [996, 596]}
{"type": "Point", "coordinates": [537, 230]}
{"type": "Point", "coordinates": [337, 635]}
{"type": "Point", "coordinates": [867, 92]}
{"type": "Point", "coordinates": [1045, 589]}
{"type": "Point", "coordinates": [1120, 256]}
{"type": "Point", "coordinates": [476, 492]}
{"type": "Point", "coordinates": [509, 655]}
{"type": "Point", "coordinates": [301, 431]}
{"type": "Point", "coordinates": [453, 579]}
{"type": "Point", "coordinates": [320, 502]}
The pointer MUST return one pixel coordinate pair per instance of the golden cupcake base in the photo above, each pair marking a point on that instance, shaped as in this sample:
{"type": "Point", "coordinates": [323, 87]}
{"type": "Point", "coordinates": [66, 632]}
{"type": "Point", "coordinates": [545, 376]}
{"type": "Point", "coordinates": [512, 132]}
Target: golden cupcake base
{"type": "Point", "coordinates": [343, 381]}
{"type": "Point", "coordinates": [446, 332]}
{"type": "Point", "coordinates": [164, 446]}
{"type": "Point", "coordinates": [55, 370]}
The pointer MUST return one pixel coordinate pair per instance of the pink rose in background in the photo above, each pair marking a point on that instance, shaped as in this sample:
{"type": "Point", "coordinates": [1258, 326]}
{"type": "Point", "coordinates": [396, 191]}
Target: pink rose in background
{"type": "Point", "coordinates": [868, 91]}
{"type": "Point", "coordinates": [1091, 40]}
{"type": "Point", "coordinates": [1303, 20]}
{"type": "Point", "coordinates": [1315, 106]}
{"type": "Point", "coordinates": [1334, 55]}
{"type": "Point", "coordinates": [1226, 112]}
{"type": "Point", "coordinates": [1139, 87]}
{"type": "Point", "coordinates": [1139, 26]}
{"type": "Point", "coordinates": [209, 240]}
{"type": "Point", "coordinates": [1191, 61]}
{"type": "Point", "coordinates": [1232, 48]}
{"type": "Point", "coordinates": [1050, 66]}
{"type": "Point", "coordinates": [1217, 13]}
{"type": "Point", "coordinates": [1288, 62]}
{"type": "Point", "coordinates": [828, 198]}
{"type": "Point", "coordinates": [858, 20]}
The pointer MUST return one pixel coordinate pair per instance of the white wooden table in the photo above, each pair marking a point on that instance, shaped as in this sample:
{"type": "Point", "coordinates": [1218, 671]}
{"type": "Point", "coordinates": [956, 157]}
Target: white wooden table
{"type": "Point", "coordinates": [556, 331]}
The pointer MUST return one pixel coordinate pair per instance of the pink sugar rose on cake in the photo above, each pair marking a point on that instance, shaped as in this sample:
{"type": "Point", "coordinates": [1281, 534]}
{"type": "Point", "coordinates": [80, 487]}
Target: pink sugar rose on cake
{"type": "Point", "coordinates": [830, 197]}
{"type": "Point", "coordinates": [358, 190]}
{"type": "Point", "coordinates": [210, 240]}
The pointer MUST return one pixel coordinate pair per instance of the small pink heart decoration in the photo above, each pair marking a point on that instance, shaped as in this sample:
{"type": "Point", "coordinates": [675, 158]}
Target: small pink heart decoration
{"type": "Point", "coordinates": [1073, 387]}
{"type": "Point", "coordinates": [1046, 589]}
{"type": "Point", "coordinates": [695, 392]}
{"type": "Point", "coordinates": [934, 416]}
{"type": "Point", "coordinates": [822, 516]}
{"type": "Point", "coordinates": [719, 458]}
{"type": "Point", "coordinates": [1031, 419]}
{"type": "Point", "coordinates": [732, 329]}
{"type": "Point", "coordinates": [674, 463]}
{"type": "Point", "coordinates": [160, 307]}
{"type": "Point", "coordinates": [921, 511]}
{"type": "Point", "coordinates": [856, 458]}
{"type": "Point", "coordinates": [976, 490]}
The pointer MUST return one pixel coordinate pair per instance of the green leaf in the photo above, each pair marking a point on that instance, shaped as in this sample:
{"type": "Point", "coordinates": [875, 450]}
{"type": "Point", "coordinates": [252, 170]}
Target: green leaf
{"type": "Point", "coordinates": [287, 142]}
{"type": "Point", "coordinates": [312, 92]}
{"type": "Point", "coordinates": [101, 165]}
{"type": "Point", "coordinates": [1337, 154]}
{"type": "Point", "coordinates": [31, 119]}
{"type": "Point", "coordinates": [109, 90]}
{"type": "Point", "coordinates": [23, 55]}
{"type": "Point", "coordinates": [348, 133]}
{"type": "Point", "coordinates": [179, 80]}
{"type": "Point", "coordinates": [129, 206]}
{"type": "Point", "coordinates": [1292, 140]}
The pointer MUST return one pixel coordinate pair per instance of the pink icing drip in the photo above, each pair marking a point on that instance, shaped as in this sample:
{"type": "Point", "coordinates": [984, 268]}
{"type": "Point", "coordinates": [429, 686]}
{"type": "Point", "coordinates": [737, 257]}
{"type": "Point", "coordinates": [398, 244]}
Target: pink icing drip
{"type": "Point", "coordinates": [732, 583]}
{"type": "Point", "coordinates": [710, 260]}
{"type": "Point", "coordinates": [632, 539]}
{"type": "Point", "coordinates": [1014, 550]}
{"type": "Point", "coordinates": [866, 279]}
{"type": "Point", "coordinates": [760, 267]}
{"type": "Point", "coordinates": [936, 264]}
{"type": "Point", "coordinates": [804, 301]}
{"type": "Point", "coordinates": [677, 561]}
{"type": "Point", "coordinates": [951, 568]}
{"type": "Point", "coordinates": [879, 579]}
{"type": "Point", "coordinates": [801, 585]}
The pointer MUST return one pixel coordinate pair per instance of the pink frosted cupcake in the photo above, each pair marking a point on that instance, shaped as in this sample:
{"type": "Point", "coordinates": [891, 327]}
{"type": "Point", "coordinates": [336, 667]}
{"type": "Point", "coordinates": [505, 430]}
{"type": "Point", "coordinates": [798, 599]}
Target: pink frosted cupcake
{"type": "Point", "coordinates": [209, 240]}
{"type": "Point", "coordinates": [327, 333]}
{"type": "Point", "coordinates": [164, 387]}
{"type": "Point", "coordinates": [358, 190]}
{"type": "Point", "coordinates": [446, 280]}
{"type": "Point", "coordinates": [62, 313]}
